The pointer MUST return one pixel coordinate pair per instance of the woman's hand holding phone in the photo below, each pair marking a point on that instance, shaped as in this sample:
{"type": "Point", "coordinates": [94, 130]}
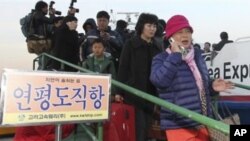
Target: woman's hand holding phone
{"type": "Point", "coordinates": [175, 47]}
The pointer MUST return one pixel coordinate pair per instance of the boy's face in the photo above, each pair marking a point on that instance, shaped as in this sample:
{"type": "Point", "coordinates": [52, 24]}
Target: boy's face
{"type": "Point", "coordinates": [98, 49]}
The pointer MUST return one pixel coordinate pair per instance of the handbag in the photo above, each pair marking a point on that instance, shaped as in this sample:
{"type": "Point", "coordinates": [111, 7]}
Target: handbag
{"type": "Point", "coordinates": [155, 131]}
{"type": "Point", "coordinates": [232, 119]}
{"type": "Point", "coordinates": [38, 44]}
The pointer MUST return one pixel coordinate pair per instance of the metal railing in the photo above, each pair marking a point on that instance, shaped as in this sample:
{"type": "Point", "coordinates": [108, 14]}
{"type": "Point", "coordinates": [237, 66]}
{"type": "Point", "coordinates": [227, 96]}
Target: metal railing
{"type": "Point", "coordinates": [220, 126]}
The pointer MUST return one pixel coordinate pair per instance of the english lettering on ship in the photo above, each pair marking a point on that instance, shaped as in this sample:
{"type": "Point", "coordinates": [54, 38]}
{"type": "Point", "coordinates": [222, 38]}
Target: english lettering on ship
{"type": "Point", "coordinates": [232, 63]}
{"type": "Point", "coordinates": [231, 71]}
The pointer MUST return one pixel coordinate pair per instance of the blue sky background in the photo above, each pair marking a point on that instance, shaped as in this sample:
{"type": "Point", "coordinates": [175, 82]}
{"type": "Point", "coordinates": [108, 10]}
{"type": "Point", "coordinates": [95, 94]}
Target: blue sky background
{"type": "Point", "coordinates": [207, 17]}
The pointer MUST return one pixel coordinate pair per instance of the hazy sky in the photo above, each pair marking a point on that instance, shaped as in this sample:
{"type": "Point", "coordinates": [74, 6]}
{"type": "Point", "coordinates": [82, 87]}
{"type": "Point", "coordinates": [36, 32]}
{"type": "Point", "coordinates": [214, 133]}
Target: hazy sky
{"type": "Point", "coordinates": [207, 17]}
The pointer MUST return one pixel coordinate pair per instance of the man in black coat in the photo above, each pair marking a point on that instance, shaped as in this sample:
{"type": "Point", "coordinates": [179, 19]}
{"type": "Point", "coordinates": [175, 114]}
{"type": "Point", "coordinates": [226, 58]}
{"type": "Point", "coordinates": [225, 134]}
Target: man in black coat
{"type": "Point", "coordinates": [41, 23]}
{"type": "Point", "coordinates": [66, 43]}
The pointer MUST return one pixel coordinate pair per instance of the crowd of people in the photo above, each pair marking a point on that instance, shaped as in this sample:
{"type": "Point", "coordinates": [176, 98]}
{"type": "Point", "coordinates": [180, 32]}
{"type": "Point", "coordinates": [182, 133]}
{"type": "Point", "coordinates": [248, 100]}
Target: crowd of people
{"type": "Point", "coordinates": [145, 59]}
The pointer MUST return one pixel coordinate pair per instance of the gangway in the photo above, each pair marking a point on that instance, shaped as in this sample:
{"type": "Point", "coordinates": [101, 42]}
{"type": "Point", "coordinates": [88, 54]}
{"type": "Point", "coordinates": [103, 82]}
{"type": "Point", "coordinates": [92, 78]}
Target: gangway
{"type": "Point", "coordinates": [179, 110]}
{"type": "Point", "coordinates": [222, 127]}
{"type": "Point", "coordinates": [182, 111]}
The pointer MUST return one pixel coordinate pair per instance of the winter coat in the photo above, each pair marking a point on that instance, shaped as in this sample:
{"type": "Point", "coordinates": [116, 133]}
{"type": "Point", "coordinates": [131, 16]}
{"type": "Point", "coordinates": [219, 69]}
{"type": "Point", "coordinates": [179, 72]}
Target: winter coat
{"type": "Point", "coordinates": [134, 69]}
{"type": "Point", "coordinates": [42, 24]}
{"type": "Point", "coordinates": [221, 44]}
{"type": "Point", "coordinates": [107, 66]}
{"type": "Point", "coordinates": [175, 83]}
{"type": "Point", "coordinates": [41, 133]}
{"type": "Point", "coordinates": [66, 47]}
{"type": "Point", "coordinates": [91, 22]}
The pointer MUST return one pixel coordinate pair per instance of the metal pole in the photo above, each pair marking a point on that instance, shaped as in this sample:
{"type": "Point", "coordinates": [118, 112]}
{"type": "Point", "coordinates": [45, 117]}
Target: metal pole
{"type": "Point", "coordinates": [90, 133]}
{"type": "Point", "coordinates": [42, 62]}
{"type": "Point", "coordinates": [58, 133]}
{"type": "Point", "coordinates": [100, 131]}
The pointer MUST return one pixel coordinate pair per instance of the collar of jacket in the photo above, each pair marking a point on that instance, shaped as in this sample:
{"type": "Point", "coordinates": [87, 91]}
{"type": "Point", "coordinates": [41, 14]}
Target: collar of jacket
{"type": "Point", "coordinates": [139, 42]}
{"type": "Point", "coordinates": [107, 30]}
{"type": "Point", "coordinates": [106, 61]}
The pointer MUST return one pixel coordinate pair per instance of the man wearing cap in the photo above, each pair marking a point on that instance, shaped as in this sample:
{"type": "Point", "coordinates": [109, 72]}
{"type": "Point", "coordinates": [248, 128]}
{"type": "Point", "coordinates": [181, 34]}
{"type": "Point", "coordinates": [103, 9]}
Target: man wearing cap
{"type": "Point", "coordinates": [181, 77]}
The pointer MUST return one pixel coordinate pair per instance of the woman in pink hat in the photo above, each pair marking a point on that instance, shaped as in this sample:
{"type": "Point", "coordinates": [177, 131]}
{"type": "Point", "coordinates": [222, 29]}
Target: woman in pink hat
{"type": "Point", "coordinates": [181, 77]}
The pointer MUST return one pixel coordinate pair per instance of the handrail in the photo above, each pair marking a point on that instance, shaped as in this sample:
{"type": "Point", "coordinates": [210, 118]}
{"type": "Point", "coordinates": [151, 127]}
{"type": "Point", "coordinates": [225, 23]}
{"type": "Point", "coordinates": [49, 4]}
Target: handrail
{"type": "Point", "coordinates": [59, 60]}
{"type": "Point", "coordinates": [175, 108]}
{"type": "Point", "coordinates": [207, 53]}
{"type": "Point", "coordinates": [211, 55]}
{"type": "Point", "coordinates": [242, 86]}
{"type": "Point", "coordinates": [182, 111]}
{"type": "Point", "coordinates": [243, 38]}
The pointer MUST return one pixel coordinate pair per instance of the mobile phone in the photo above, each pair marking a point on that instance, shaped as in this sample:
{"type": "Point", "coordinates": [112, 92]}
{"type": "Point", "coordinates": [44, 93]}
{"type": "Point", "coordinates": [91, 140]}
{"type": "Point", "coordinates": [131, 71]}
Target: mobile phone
{"type": "Point", "coordinates": [171, 40]}
{"type": "Point", "coordinates": [183, 50]}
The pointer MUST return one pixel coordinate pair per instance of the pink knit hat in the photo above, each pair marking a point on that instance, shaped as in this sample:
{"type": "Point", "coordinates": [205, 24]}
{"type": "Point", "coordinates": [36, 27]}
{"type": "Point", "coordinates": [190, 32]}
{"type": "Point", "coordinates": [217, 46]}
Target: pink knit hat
{"type": "Point", "coordinates": [175, 24]}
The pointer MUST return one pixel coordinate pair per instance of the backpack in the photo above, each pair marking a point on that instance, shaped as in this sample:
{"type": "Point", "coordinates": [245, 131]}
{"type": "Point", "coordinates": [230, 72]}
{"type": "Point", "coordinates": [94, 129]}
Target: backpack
{"type": "Point", "coordinates": [27, 24]}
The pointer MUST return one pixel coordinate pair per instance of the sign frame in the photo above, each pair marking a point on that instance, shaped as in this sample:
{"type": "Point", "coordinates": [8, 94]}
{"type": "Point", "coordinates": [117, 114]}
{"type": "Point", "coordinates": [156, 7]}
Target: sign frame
{"type": "Point", "coordinates": [94, 111]}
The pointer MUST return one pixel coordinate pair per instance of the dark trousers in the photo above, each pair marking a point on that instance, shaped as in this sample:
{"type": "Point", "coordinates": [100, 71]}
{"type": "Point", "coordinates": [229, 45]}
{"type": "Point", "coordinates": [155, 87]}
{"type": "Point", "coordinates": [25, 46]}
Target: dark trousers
{"type": "Point", "coordinates": [142, 123]}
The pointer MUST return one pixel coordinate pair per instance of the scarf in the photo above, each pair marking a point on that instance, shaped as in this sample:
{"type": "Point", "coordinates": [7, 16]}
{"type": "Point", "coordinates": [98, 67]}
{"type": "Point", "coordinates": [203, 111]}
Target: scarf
{"type": "Point", "coordinates": [189, 59]}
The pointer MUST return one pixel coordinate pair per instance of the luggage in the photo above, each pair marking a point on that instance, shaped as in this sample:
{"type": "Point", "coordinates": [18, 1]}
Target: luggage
{"type": "Point", "coordinates": [41, 133]}
{"type": "Point", "coordinates": [121, 126]}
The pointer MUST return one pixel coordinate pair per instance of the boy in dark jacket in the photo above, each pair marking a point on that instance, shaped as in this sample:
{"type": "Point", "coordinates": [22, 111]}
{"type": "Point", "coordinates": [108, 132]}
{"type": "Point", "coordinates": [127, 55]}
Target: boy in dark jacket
{"type": "Point", "coordinates": [111, 38]}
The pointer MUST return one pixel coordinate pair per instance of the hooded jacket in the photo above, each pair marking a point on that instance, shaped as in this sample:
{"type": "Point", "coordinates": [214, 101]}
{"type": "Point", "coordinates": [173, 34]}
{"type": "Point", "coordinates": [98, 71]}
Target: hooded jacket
{"type": "Point", "coordinates": [91, 22]}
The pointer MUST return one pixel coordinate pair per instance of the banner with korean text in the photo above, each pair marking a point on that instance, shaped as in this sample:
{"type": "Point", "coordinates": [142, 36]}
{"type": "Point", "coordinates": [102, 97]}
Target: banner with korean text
{"type": "Point", "coordinates": [37, 97]}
